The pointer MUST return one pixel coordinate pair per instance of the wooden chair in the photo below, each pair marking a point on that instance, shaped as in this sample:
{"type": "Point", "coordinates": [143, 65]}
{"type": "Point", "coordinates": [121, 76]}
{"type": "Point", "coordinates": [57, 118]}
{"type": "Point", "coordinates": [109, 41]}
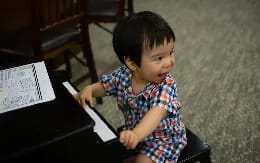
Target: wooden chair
{"type": "Point", "coordinates": [58, 27]}
{"type": "Point", "coordinates": [105, 11]}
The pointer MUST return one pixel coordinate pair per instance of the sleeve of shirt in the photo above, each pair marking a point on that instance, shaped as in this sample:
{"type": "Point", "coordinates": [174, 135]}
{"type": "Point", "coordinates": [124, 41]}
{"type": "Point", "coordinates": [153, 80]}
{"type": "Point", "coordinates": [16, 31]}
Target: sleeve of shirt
{"type": "Point", "coordinates": [110, 81]}
{"type": "Point", "coordinates": [167, 97]}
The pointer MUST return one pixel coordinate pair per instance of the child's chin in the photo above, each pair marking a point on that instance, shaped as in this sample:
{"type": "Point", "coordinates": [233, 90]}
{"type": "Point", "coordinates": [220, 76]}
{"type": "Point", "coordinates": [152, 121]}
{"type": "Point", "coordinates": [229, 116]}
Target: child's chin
{"type": "Point", "coordinates": [158, 81]}
{"type": "Point", "coordinates": [161, 77]}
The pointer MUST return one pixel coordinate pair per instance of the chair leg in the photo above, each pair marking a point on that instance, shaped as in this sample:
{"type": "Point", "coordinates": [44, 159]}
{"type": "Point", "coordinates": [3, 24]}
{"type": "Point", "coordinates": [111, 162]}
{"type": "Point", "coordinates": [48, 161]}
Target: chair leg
{"type": "Point", "coordinates": [130, 7]}
{"type": "Point", "coordinates": [67, 63]}
{"type": "Point", "coordinates": [87, 52]}
{"type": "Point", "coordinates": [104, 28]}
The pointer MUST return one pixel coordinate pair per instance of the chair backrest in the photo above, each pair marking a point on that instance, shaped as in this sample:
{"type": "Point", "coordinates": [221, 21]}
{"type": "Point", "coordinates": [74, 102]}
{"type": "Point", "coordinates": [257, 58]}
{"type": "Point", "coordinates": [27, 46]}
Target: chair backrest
{"type": "Point", "coordinates": [51, 14]}
{"type": "Point", "coordinates": [106, 10]}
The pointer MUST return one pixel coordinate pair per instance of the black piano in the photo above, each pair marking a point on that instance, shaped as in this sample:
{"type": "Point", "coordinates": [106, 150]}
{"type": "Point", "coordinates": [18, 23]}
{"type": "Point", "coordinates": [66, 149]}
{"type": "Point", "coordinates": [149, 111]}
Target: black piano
{"type": "Point", "coordinates": [58, 130]}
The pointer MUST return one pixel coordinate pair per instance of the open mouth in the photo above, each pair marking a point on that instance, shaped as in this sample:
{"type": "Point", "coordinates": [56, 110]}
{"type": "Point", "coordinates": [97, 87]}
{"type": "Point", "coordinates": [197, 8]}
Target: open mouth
{"type": "Point", "coordinates": [163, 75]}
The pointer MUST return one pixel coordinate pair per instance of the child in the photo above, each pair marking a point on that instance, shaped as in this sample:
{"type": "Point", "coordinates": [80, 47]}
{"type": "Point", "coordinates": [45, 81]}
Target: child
{"type": "Point", "coordinates": [145, 91]}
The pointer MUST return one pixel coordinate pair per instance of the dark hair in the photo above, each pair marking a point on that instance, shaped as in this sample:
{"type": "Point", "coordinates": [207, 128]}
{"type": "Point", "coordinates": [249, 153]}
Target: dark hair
{"type": "Point", "coordinates": [139, 29]}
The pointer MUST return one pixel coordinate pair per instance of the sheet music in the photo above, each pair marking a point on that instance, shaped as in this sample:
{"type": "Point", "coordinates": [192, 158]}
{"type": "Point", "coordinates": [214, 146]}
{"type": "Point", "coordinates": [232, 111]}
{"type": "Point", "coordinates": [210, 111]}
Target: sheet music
{"type": "Point", "coordinates": [24, 86]}
{"type": "Point", "coordinates": [100, 127]}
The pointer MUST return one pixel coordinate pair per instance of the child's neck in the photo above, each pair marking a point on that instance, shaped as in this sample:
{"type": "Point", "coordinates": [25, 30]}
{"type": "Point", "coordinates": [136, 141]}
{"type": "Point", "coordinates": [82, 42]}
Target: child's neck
{"type": "Point", "coordinates": [137, 84]}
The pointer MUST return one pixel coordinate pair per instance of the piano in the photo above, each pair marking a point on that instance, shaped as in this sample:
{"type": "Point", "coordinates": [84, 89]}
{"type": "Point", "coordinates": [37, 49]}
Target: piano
{"type": "Point", "coordinates": [58, 130]}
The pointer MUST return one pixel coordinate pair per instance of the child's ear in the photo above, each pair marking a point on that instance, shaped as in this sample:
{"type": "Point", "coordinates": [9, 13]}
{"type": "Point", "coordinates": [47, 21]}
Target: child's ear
{"type": "Point", "coordinates": [130, 63]}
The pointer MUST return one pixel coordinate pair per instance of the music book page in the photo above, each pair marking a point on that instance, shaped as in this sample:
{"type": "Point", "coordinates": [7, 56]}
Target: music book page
{"type": "Point", "coordinates": [100, 127]}
{"type": "Point", "coordinates": [24, 86]}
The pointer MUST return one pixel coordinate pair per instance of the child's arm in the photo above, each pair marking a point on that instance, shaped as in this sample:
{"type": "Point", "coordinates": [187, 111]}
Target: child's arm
{"type": "Point", "coordinates": [90, 91]}
{"type": "Point", "coordinates": [144, 128]}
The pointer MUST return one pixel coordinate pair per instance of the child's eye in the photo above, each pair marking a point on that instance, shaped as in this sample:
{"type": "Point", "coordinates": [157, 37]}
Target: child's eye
{"type": "Point", "coordinates": [172, 52]}
{"type": "Point", "coordinates": [158, 58]}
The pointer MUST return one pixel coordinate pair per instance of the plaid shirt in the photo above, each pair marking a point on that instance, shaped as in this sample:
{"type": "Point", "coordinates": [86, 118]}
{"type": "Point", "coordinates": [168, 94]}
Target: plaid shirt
{"type": "Point", "coordinates": [164, 143]}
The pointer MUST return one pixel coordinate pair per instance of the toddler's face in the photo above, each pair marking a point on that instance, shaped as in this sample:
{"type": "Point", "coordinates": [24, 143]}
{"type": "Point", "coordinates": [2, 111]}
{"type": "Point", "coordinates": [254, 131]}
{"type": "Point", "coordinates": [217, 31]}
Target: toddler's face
{"type": "Point", "coordinates": [157, 62]}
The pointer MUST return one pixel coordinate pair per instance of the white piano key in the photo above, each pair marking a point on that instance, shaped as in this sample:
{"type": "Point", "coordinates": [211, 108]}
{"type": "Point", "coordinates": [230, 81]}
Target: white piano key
{"type": "Point", "coordinates": [100, 127]}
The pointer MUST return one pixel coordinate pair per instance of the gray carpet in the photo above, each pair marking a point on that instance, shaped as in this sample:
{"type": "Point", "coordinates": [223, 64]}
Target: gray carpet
{"type": "Point", "coordinates": [218, 46]}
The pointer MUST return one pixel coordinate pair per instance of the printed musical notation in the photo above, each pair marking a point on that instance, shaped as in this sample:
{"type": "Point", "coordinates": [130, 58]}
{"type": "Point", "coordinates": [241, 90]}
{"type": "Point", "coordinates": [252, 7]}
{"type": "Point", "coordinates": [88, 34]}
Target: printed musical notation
{"type": "Point", "coordinates": [24, 86]}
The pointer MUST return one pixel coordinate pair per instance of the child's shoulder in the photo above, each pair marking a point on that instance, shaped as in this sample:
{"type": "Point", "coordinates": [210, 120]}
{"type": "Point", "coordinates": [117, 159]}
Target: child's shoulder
{"type": "Point", "coordinates": [122, 71]}
{"type": "Point", "coordinates": [122, 74]}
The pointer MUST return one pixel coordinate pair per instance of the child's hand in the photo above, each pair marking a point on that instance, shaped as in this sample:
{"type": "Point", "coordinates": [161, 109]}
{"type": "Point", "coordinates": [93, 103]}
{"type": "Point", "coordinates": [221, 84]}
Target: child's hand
{"type": "Point", "coordinates": [85, 95]}
{"type": "Point", "coordinates": [129, 139]}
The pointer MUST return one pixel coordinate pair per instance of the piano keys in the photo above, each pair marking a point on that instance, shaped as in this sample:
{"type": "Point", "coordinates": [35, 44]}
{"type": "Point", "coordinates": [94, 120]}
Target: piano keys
{"type": "Point", "coordinates": [109, 145]}
{"type": "Point", "coordinates": [103, 130]}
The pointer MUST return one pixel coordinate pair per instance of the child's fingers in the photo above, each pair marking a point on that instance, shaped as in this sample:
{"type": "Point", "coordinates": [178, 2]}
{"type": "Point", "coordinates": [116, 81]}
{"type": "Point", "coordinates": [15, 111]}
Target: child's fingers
{"type": "Point", "coordinates": [82, 98]}
{"type": "Point", "coordinates": [132, 142]}
{"type": "Point", "coordinates": [122, 137]}
{"type": "Point", "coordinates": [82, 101]}
{"type": "Point", "coordinates": [128, 139]}
{"type": "Point", "coordinates": [77, 98]}
{"type": "Point", "coordinates": [91, 102]}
